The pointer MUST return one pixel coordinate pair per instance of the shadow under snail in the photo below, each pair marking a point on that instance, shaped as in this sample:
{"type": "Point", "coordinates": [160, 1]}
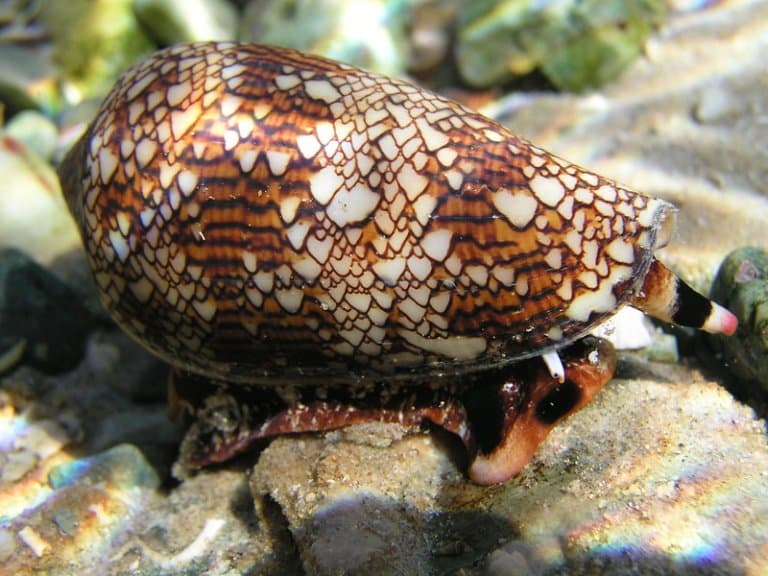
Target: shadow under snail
{"type": "Point", "coordinates": [311, 245]}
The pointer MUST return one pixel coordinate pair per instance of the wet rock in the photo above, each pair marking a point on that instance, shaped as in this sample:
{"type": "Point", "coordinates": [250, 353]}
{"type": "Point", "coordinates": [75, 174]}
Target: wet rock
{"type": "Point", "coordinates": [141, 377]}
{"type": "Point", "coordinates": [29, 448]}
{"type": "Point", "coordinates": [27, 79]}
{"type": "Point", "coordinates": [430, 33]}
{"type": "Point", "coordinates": [35, 131]}
{"type": "Point", "coordinates": [741, 284]}
{"type": "Point", "coordinates": [89, 505]}
{"type": "Point", "coordinates": [7, 544]}
{"type": "Point", "coordinates": [659, 475]}
{"type": "Point", "coordinates": [121, 467]}
{"type": "Point", "coordinates": [356, 507]}
{"type": "Point", "coordinates": [208, 524]}
{"type": "Point", "coordinates": [368, 34]}
{"type": "Point", "coordinates": [70, 504]}
{"type": "Point", "coordinates": [12, 349]}
{"type": "Point", "coordinates": [93, 42]}
{"type": "Point", "coordinates": [37, 308]}
{"type": "Point", "coordinates": [33, 215]}
{"type": "Point", "coordinates": [674, 487]}
{"type": "Point", "coordinates": [146, 425]}
{"type": "Point", "coordinates": [716, 105]}
{"type": "Point", "coordinates": [169, 22]}
{"type": "Point", "coordinates": [576, 45]}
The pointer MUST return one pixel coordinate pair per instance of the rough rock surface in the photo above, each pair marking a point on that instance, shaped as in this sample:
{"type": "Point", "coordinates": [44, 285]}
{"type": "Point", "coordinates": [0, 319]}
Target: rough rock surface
{"type": "Point", "coordinates": [742, 285]}
{"type": "Point", "coordinates": [678, 491]}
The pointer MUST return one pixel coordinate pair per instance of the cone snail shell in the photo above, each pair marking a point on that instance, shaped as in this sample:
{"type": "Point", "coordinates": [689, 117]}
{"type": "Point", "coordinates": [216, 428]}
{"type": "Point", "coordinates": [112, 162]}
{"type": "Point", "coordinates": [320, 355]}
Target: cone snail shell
{"type": "Point", "coordinates": [259, 215]}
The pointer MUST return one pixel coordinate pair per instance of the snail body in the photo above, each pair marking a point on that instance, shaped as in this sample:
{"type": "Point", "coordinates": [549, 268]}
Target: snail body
{"type": "Point", "coordinates": [261, 216]}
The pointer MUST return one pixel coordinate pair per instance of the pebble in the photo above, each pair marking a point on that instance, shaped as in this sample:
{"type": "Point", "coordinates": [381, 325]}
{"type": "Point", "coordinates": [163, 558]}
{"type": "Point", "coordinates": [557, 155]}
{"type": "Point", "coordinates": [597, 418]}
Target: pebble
{"type": "Point", "coordinates": [35, 131]}
{"type": "Point", "coordinates": [369, 33]}
{"type": "Point", "coordinates": [576, 45]}
{"type": "Point", "coordinates": [7, 544]}
{"type": "Point", "coordinates": [33, 215]}
{"type": "Point", "coordinates": [27, 79]}
{"type": "Point", "coordinates": [429, 33]}
{"type": "Point", "coordinates": [122, 467]}
{"type": "Point", "coordinates": [93, 42]}
{"type": "Point", "coordinates": [741, 285]}
{"type": "Point", "coordinates": [38, 308]}
{"type": "Point", "coordinates": [170, 22]}
{"type": "Point", "coordinates": [716, 104]}
{"type": "Point", "coordinates": [34, 541]}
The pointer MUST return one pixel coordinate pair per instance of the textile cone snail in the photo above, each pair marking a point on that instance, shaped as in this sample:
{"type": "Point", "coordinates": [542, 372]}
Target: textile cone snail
{"type": "Point", "coordinates": [318, 238]}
